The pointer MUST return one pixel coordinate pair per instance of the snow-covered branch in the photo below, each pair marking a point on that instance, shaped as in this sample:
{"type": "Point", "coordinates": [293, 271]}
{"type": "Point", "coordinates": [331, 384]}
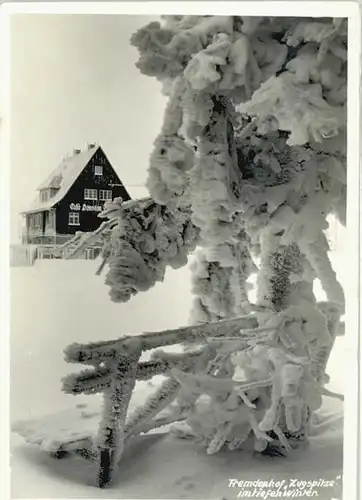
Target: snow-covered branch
{"type": "Point", "coordinates": [96, 353]}
{"type": "Point", "coordinates": [89, 239]}
{"type": "Point", "coordinates": [95, 380]}
{"type": "Point", "coordinates": [147, 239]}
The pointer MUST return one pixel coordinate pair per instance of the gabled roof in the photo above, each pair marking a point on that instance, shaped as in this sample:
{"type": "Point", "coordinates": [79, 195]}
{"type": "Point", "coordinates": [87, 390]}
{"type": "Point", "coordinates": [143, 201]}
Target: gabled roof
{"type": "Point", "coordinates": [62, 178]}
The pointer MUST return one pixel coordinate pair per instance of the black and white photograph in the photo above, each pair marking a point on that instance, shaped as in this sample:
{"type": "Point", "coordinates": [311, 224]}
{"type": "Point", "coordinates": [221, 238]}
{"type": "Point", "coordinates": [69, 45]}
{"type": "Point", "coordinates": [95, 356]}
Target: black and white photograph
{"type": "Point", "coordinates": [180, 253]}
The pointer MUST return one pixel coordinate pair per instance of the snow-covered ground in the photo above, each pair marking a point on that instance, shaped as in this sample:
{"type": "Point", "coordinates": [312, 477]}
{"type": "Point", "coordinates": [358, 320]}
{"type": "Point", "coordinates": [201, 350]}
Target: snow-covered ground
{"type": "Point", "coordinates": [55, 303]}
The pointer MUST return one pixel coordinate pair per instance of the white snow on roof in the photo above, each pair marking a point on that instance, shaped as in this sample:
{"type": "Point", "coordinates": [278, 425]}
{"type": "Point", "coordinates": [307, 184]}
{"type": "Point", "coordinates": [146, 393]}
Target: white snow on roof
{"type": "Point", "coordinates": [63, 177]}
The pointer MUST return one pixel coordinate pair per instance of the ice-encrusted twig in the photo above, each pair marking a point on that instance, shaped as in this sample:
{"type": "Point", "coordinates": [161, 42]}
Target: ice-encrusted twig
{"type": "Point", "coordinates": [149, 369]}
{"type": "Point", "coordinates": [248, 334]}
{"type": "Point", "coordinates": [95, 353]}
{"type": "Point", "coordinates": [91, 238]}
{"type": "Point", "coordinates": [281, 436]}
{"type": "Point", "coordinates": [89, 381]}
{"type": "Point", "coordinates": [102, 265]}
{"type": "Point", "coordinates": [169, 390]}
{"type": "Point", "coordinates": [209, 384]}
{"type": "Point", "coordinates": [156, 423]}
{"type": "Point", "coordinates": [164, 395]}
{"type": "Point", "coordinates": [94, 380]}
{"type": "Point", "coordinates": [58, 250]}
{"type": "Point", "coordinates": [332, 394]}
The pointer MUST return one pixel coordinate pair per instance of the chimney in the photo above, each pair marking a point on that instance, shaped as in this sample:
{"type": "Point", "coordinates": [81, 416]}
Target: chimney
{"type": "Point", "coordinates": [76, 151]}
{"type": "Point", "coordinates": [91, 145]}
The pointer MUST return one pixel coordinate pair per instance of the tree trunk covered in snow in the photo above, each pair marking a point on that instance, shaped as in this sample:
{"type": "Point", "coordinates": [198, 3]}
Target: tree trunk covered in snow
{"type": "Point", "coordinates": [251, 157]}
{"type": "Point", "coordinates": [278, 263]}
{"type": "Point", "coordinates": [224, 264]}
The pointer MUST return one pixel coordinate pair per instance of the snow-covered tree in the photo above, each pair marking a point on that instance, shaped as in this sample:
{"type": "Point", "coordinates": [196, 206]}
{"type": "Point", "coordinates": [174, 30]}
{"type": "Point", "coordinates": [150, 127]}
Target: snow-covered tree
{"type": "Point", "coordinates": [249, 163]}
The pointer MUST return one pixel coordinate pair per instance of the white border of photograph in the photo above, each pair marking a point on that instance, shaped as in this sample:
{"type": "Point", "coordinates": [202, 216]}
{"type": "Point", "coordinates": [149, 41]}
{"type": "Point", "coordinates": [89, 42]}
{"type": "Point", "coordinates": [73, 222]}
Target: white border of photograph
{"type": "Point", "coordinates": [352, 10]}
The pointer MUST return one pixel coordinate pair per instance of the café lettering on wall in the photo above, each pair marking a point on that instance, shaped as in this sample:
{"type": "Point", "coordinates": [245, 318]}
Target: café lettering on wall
{"type": "Point", "coordinates": [76, 207]}
{"type": "Point", "coordinates": [72, 196]}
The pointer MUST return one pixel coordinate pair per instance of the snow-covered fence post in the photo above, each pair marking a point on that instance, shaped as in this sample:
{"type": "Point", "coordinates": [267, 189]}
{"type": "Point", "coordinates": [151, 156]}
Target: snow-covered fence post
{"type": "Point", "coordinates": [110, 440]}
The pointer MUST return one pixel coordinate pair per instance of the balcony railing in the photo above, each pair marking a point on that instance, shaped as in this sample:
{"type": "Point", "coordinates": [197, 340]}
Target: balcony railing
{"type": "Point", "coordinates": [45, 239]}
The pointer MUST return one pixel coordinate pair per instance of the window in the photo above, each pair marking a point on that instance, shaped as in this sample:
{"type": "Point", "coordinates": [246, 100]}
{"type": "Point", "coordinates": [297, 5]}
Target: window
{"type": "Point", "coordinates": [98, 170]}
{"type": "Point", "coordinates": [105, 194]}
{"type": "Point", "coordinates": [74, 219]}
{"type": "Point", "coordinates": [49, 220]}
{"type": "Point", "coordinates": [44, 195]}
{"type": "Point", "coordinates": [37, 220]}
{"type": "Point", "coordinates": [90, 194]}
{"type": "Point", "coordinates": [52, 192]}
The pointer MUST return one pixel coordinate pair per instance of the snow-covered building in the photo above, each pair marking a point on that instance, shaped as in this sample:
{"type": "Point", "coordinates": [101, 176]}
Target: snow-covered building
{"type": "Point", "coordinates": [71, 197]}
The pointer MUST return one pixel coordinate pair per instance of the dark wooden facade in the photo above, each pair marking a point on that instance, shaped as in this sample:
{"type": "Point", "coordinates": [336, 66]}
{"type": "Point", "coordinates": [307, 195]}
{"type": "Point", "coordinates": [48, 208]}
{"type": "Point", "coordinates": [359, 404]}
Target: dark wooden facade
{"type": "Point", "coordinates": [78, 209]}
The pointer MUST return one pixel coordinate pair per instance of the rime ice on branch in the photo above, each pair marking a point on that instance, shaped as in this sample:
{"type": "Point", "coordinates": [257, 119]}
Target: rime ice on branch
{"type": "Point", "coordinates": [148, 238]}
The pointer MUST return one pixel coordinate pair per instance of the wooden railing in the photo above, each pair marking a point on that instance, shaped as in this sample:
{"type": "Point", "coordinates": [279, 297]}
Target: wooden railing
{"type": "Point", "coordinates": [116, 367]}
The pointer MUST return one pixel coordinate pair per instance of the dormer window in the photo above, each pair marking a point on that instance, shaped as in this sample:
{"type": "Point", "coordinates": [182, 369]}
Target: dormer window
{"type": "Point", "coordinates": [98, 170]}
{"type": "Point", "coordinates": [46, 194]}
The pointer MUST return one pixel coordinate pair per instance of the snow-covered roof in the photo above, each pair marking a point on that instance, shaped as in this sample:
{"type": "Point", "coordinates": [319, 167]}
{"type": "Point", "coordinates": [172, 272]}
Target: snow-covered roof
{"type": "Point", "coordinates": [62, 178]}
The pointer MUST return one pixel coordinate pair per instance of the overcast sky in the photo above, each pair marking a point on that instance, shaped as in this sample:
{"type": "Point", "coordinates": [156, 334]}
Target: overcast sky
{"type": "Point", "coordinates": [74, 81]}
